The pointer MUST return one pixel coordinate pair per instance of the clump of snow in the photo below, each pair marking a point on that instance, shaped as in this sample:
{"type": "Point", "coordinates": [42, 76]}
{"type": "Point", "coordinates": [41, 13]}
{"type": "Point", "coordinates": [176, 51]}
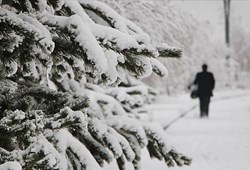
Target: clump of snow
{"type": "Point", "coordinates": [45, 40]}
{"type": "Point", "coordinates": [129, 125]}
{"type": "Point", "coordinates": [83, 35]}
{"type": "Point", "coordinates": [158, 67]}
{"type": "Point", "coordinates": [77, 9]}
{"type": "Point", "coordinates": [121, 40]}
{"type": "Point", "coordinates": [70, 116]}
{"type": "Point", "coordinates": [10, 68]}
{"type": "Point", "coordinates": [104, 133]}
{"type": "Point", "coordinates": [11, 166]}
{"type": "Point", "coordinates": [114, 18]}
{"type": "Point", "coordinates": [111, 105]}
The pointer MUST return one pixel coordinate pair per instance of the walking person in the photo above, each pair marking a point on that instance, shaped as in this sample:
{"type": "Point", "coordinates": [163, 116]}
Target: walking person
{"type": "Point", "coordinates": [205, 82]}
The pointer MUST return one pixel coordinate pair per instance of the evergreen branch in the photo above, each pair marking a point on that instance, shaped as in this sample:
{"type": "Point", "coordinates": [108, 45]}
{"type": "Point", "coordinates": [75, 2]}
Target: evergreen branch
{"type": "Point", "coordinates": [67, 47]}
{"type": "Point", "coordinates": [99, 152]}
{"type": "Point", "coordinates": [76, 158]}
{"type": "Point", "coordinates": [158, 148]}
{"type": "Point", "coordinates": [153, 150]}
{"type": "Point", "coordinates": [54, 100]}
{"type": "Point", "coordinates": [169, 52]}
{"type": "Point", "coordinates": [112, 45]}
{"type": "Point", "coordinates": [56, 4]}
{"type": "Point", "coordinates": [78, 103]}
{"type": "Point", "coordinates": [121, 162]}
{"type": "Point", "coordinates": [131, 65]}
{"type": "Point", "coordinates": [134, 52]}
{"type": "Point", "coordinates": [98, 12]}
{"type": "Point", "coordinates": [179, 158]}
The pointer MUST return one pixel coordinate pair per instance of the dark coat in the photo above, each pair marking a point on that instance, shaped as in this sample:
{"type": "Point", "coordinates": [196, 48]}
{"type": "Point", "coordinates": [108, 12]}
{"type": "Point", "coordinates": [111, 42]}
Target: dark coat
{"type": "Point", "coordinates": [205, 81]}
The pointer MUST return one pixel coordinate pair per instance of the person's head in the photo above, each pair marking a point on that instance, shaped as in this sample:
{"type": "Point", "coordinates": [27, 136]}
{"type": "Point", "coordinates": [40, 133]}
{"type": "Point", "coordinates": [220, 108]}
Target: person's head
{"type": "Point", "coordinates": [204, 67]}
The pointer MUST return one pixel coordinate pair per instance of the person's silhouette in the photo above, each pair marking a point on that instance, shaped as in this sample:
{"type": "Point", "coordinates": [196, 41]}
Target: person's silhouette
{"type": "Point", "coordinates": [205, 81]}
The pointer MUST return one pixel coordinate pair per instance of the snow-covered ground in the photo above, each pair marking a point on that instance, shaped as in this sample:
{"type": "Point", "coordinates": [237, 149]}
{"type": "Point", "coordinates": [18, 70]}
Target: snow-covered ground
{"type": "Point", "coordinates": [221, 142]}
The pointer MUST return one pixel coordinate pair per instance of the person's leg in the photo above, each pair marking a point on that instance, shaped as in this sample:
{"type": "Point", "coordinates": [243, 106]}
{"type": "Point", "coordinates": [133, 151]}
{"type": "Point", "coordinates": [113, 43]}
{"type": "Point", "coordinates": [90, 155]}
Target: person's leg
{"type": "Point", "coordinates": [206, 105]}
{"type": "Point", "coordinates": [202, 111]}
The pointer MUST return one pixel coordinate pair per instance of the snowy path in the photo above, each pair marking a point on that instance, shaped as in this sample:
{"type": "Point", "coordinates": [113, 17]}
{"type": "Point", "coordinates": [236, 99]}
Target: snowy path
{"type": "Point", "coordinates": [221, 142]}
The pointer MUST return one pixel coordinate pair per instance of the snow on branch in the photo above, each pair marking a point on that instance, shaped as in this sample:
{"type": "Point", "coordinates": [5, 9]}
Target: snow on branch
{"type": "Point", "coordinates": [107, 13]}
{"type": "Point", "coordinates": [130, 126]}
{"type": "Point", "coordinates": [159, 68]}
{"type": "Point", "coordinates": [171, 52]}
{"type": "Point", "coordinates": [11, 166]}
{"type": "Point", "coordinates": [81, 34]}
{"type": "Point", "coordinates": [24, 25]}
{"type": "Point", "coordinates": [76, 8]}
{"type": "Point", "coordinates": [159, 147]}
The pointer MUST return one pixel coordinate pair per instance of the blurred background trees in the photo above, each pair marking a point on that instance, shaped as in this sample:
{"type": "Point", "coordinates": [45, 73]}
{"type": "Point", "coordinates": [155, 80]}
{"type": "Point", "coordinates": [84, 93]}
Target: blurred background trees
{"type": "Point", "coordinates": [168, 23]}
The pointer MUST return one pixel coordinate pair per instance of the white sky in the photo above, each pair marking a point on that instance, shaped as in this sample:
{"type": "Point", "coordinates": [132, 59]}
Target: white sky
{"type": "Point", "coordinates": [213, 11]}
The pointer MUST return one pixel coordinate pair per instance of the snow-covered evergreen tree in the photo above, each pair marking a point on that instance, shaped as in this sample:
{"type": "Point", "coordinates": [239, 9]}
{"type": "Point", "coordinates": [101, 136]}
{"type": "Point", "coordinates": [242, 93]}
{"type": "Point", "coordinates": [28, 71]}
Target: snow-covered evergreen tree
{"type": "Point", "coordinates": [69, 98]}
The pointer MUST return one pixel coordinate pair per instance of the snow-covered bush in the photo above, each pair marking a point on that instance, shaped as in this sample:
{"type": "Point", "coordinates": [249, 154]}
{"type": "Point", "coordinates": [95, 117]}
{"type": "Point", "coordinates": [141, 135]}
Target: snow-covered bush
{"type": "Point", "coordinates": [69, 96]}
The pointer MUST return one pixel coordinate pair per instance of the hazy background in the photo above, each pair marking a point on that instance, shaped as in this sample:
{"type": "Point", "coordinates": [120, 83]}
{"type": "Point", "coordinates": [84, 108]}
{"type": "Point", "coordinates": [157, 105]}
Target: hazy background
{"type": "Point", "coordinates": [196, 27]}
{"type": "Point", "coordinates": [213, 12]}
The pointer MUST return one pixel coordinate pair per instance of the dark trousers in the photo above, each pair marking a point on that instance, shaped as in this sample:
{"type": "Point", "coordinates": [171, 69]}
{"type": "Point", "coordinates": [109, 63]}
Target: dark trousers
{"type": "Point", "coordinates": [204, 106]}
